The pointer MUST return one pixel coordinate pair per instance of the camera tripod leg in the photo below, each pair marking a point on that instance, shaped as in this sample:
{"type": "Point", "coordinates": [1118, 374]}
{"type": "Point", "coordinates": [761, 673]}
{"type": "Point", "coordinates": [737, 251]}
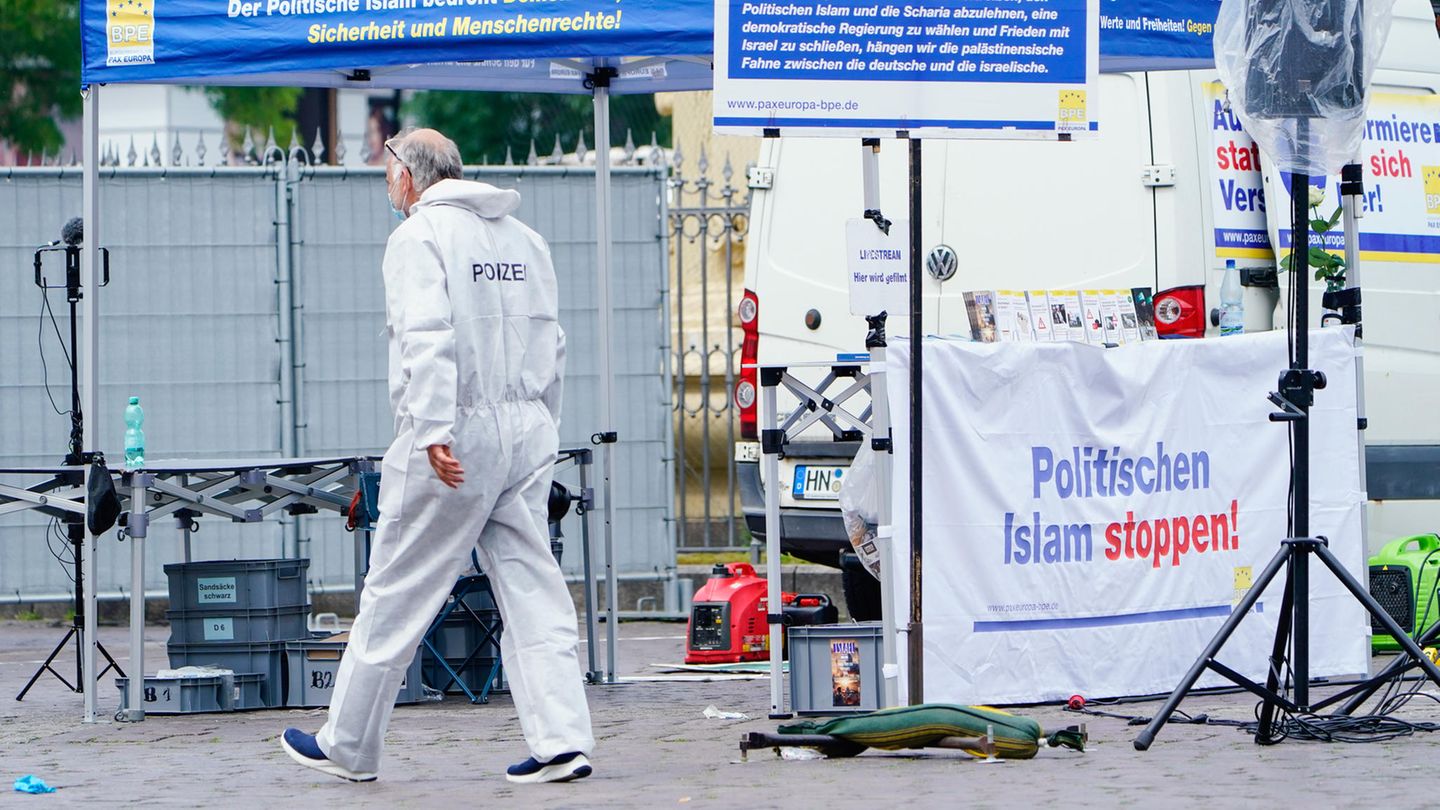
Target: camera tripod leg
{"type": "Point", "coordinates": [1396, 667]}
{"type": "Point", "coordinates": [1362, 595]}
{"type": "Point", "coordinates": [1142, 742]}
{"type": "Point", "coordinates": [1273, 677]}
{"type": "Point", "coordinates": [44, 667]}
{"type": "Point", "coordinates": [47, 665]}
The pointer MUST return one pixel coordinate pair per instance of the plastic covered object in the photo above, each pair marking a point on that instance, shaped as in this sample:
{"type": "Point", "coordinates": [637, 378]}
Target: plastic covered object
{"type": "Point", "coordinates": [30, 783]}
{"type": "Point", "coordinates": [1298, 74]}
{"type": "Point", "coordinates": [860, 508]}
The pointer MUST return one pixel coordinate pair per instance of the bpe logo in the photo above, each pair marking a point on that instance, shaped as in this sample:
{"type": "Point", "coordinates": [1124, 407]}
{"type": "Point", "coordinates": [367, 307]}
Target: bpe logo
{"type": "Point", "coordinates": [1072, 114]}
{"type": "Point", "coordinates": [1432, 189]}
{"type": "Point", "coordinates": [130, 32]}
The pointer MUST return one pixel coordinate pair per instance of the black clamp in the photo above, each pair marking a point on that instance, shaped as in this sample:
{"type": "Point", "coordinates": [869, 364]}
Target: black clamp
{"type": "Point", "coordinates": [600, 77]}
{"type": "Point", "coordinates": [875, 338]}
{"type": "Point", "coordinates": [770, 132]}
{"type": "Point", "coordinates": [771, 377]}
{"type": "Point", "coordinates": [777, 618]}
{"type": "Point", "coordinates": [1352, 182]}
{"type": "Point", "coordinates": [1346, 302]}
{"type": "Point", "coordinates": [606, 437]}
{"type": "Point", "coordinates": [1296, 394]}
{"type": "Point", "coordinates": [874, 215]}
{"type": "Point", "coordinates": [882, 444]}
{"type": "Point", "coordinates": [772, 442]}
{"type": "Point", "coordinates": [185, 519]}
{"type": "Point", "coordinates": [845, 371]}
{"type": "Point", "coordinates": [359, 75]}
{"type": "Point", "coordinates": [850, 436]}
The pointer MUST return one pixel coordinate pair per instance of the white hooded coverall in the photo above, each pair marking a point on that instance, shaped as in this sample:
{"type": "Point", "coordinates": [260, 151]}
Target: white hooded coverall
{"type": "Point", "coordinates": [476, 361]}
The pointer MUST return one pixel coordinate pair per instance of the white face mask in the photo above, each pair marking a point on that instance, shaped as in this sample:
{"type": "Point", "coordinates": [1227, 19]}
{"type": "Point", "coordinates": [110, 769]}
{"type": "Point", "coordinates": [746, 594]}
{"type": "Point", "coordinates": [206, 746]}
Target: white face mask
{"type": "Point", "coordinates": [399, 213]}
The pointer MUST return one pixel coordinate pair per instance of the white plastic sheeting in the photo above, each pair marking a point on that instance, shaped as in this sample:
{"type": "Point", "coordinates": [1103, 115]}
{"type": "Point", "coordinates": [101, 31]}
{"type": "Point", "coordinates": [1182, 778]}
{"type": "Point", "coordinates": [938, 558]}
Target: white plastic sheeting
{"type": "Point", "coordinates": [1299, 73]}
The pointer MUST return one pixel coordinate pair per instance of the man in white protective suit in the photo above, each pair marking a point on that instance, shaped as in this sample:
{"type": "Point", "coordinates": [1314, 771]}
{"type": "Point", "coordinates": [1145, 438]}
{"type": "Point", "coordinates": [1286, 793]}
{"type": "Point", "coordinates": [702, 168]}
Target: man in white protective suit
{"type": "Point", "coordinates": [476, 361]}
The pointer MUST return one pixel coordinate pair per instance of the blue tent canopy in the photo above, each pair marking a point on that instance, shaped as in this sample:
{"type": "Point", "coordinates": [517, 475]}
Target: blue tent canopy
{"type": "Point", "coordinates": [515, 45]}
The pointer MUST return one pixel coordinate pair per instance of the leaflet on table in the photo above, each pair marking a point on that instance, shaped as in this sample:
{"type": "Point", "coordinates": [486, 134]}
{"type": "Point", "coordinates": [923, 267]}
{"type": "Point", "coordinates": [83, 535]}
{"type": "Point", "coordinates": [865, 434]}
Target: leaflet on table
{"type": "Point", "coordinates": [1039, 305]}
{"type": "Point", "coordinates": [1099, 317]}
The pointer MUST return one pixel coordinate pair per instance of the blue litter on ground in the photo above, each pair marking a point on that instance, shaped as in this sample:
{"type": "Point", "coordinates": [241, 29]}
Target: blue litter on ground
{"type": "Point", "coordinates": [29, 783]}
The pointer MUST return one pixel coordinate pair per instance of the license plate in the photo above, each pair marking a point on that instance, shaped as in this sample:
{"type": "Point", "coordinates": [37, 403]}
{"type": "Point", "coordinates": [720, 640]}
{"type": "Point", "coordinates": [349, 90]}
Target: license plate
{"type": "Point", "coordinates": [817, 483]}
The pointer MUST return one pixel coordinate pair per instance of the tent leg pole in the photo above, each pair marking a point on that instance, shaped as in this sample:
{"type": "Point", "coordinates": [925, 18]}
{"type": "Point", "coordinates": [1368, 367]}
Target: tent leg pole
{"type": "Point", "coordinates": [90, 372]}
{"type": "Point", "coordinates": [607, 404]}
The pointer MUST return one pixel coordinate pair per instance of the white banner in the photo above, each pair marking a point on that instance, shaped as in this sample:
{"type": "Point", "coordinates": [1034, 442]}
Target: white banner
{"type": "Point", "coordinates": [1092, 515]}
{"type": "Point", "coordinates": [1400, 156]}
{"type": "Point", "coordinates": [933, 68]}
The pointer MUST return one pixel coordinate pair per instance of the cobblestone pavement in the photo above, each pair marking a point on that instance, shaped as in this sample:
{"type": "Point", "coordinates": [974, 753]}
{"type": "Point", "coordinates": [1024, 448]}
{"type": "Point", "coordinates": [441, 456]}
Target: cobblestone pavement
{"type": "Point", "coordinates": [656, 749]}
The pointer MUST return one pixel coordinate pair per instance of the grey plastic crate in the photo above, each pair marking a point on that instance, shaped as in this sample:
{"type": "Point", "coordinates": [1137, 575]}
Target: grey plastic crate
{"type": "Point", "coordinates": [311, 667]}
{"type": "Point", "coordinates": [266, 658]}
{"type": "Point", "coordinates": [835, 668]}
{"type": "Point", "coordinates": [211, 625]}
{"type": "Point", "coordinates": [237, 584]}
{"type": "Point", "coordinates": [247, 691]}
{"type": "Point", "coordinates": [195, 695]}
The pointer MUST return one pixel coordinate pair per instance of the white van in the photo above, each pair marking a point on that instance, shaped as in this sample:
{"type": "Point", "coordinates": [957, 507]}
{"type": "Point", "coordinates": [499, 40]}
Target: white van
{"type": "Point", "coordinates": [1143, 205]}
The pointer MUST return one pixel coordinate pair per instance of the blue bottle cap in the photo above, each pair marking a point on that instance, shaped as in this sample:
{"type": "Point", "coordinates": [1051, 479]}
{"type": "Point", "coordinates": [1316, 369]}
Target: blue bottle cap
{"type": "Point", "coordinates": [134, 400]}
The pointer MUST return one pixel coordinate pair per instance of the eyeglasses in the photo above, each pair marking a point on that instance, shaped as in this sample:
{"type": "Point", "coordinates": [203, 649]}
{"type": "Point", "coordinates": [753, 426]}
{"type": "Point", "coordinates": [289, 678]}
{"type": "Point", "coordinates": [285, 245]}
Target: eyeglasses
{"type": "Point", "coordinates": [396, 155]}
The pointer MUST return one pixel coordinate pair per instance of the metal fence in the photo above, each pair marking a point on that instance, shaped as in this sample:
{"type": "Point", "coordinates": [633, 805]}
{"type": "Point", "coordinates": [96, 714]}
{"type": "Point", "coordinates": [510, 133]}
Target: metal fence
{"type": "Point", "coordinates": [246, 310]}
{"type": "Point", "coordinates": [708, 221]}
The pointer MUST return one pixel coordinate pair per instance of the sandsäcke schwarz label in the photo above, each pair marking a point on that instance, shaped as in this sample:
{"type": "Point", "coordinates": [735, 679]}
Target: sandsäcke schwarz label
{"type": "Point", "coordinates": [215, 589]}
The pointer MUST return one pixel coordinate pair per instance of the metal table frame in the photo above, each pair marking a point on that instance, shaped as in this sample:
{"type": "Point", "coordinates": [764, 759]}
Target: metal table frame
{"type": "Point", "coordinates": [818, 405]}
{"type": "Point", "coordinates": [247, 491]}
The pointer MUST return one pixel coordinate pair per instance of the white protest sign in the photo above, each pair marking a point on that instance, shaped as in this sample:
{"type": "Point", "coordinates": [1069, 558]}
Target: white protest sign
{"type": "Point", "coordinates": [1400, 159]}
{"type": "Point", "coordinates": [932, 68]}
{"type": "Point", "coordinates": [878, 267]}
{"type": "Point", "coordinates": [1092, 515]}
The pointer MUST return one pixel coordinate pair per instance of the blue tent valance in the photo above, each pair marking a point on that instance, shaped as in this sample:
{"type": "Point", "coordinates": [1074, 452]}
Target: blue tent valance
{"type": "Point", "coordinates": [535, 45]}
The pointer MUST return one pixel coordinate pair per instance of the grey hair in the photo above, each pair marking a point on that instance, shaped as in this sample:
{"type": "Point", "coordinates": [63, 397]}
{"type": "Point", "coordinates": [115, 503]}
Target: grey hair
{"type": "Point", "coordinates": [428, 163]}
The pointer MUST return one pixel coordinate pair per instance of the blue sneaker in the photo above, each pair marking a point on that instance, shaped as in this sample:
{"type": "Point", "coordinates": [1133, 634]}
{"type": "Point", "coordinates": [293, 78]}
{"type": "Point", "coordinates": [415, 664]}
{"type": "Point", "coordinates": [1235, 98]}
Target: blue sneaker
{"type": "Point", "coordinates": [303, 749]}
{"type": "Point", "coordinates": [564, 768]}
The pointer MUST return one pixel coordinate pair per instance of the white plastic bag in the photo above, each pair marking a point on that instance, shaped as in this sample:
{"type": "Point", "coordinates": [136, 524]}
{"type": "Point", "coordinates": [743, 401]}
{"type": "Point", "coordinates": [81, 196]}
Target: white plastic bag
{"type": "Point", "coordinates": [860, 508]}
{"type": "Point", "coordinates": [1298, 75]}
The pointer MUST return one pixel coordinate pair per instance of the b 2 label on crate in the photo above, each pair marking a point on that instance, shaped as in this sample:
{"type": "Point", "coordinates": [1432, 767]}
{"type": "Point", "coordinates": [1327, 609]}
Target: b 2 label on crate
{"type": "Point", "coordinates": [217, 629]}
{"type": "Point", "coordinates": [209, 590]}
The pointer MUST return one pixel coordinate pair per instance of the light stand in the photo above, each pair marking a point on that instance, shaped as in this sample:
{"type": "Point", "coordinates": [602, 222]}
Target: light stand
{"type": "Point", "coordinates": [77, 458]}
{"type": "Point", "coordinates": [1297, 392]}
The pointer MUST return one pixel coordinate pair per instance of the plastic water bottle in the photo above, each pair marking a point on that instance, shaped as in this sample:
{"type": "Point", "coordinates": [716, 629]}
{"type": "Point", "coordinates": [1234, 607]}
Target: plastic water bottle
{"type": "Point", "coordinates": [1232, 302]}
{"type": "Point", "coordinates": [134, 435]}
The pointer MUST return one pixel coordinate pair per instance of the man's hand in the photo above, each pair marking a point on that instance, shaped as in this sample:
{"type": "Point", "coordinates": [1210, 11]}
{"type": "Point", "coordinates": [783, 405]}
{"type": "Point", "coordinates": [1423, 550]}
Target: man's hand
{"type": "Point", "coordinates": [446, 467]}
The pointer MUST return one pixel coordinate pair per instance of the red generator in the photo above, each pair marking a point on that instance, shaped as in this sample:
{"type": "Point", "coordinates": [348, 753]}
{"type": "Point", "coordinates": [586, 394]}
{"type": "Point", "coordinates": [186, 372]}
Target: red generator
{"type": "Point", "coordinates": [728, 617]}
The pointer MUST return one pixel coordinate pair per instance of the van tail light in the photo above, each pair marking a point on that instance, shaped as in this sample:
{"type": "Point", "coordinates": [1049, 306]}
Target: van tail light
{"type": "Point", "coordinates": [746, 392]}
{"type": "Point", "coordinates": [1180, 312]}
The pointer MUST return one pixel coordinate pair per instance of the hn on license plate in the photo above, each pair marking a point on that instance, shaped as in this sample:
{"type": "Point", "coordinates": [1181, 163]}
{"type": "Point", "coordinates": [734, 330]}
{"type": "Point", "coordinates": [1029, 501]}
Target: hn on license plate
{"type": "Point", "coordinates": [817, 483]}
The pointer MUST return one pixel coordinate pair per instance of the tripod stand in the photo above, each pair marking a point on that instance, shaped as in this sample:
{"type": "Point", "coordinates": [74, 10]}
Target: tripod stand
{"type": "Point", "coordinates": [1297, 392]}
{"type": "Point", "coordinates": [76, 457]}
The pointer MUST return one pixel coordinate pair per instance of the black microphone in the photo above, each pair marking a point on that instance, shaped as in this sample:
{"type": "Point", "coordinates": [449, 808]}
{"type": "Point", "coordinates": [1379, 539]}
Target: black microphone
{"type": "Point", "coordinates": [74, 232]}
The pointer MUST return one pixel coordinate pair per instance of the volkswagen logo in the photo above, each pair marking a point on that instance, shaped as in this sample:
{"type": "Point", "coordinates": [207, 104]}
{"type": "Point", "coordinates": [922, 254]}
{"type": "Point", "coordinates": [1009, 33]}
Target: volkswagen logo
{"type": "Point", "coordinates": [942, 263]}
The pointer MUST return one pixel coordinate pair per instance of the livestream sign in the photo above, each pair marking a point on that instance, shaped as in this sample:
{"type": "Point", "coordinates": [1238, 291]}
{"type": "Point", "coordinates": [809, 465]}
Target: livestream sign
{"type": "Point", "coordinates": [932, 68]}
{"type": "Point", "coordinates": [1400, 162]}
{"type": "Point", "coordinates": [1091, 516]}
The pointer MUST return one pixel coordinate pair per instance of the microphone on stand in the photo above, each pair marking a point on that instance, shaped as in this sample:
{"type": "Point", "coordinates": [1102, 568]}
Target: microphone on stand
{"type": "Point", "coordinates": [73, 233]}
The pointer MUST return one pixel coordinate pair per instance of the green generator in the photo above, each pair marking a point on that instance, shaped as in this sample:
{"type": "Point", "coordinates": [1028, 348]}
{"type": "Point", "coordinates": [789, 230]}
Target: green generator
{"type": "Point", "coordinates": [1403, 579]}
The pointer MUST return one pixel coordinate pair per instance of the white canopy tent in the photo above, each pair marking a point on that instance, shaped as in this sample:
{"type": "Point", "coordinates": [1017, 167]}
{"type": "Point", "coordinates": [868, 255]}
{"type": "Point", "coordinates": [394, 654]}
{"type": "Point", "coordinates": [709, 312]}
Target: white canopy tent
{"type": "Point", "coordinates": [203, 42]}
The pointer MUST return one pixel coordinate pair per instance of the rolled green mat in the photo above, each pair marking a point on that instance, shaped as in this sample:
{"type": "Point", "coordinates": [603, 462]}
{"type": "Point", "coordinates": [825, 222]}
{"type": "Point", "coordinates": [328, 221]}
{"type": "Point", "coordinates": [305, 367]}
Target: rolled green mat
{"type": "Point", "coordinates": [926, 725]}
